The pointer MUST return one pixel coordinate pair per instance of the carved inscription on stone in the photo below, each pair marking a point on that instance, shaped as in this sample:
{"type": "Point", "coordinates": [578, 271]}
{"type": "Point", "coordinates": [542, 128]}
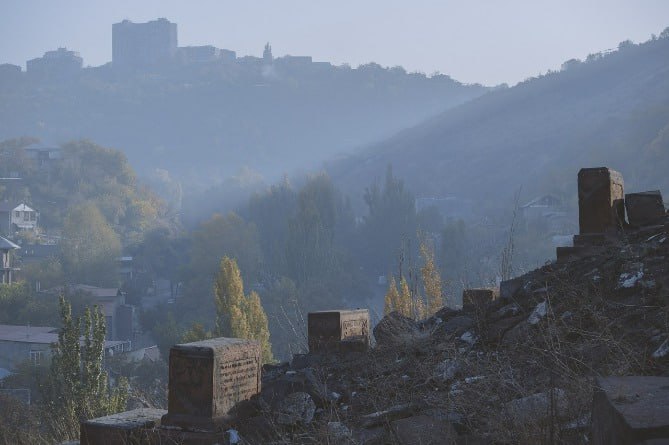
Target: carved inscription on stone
{"type": "Point", "coordinates": [190, 387]}
{"type": "Point", "coordinates": [354, 328]}
{"type": "Point", "coordinates": [237, 380]}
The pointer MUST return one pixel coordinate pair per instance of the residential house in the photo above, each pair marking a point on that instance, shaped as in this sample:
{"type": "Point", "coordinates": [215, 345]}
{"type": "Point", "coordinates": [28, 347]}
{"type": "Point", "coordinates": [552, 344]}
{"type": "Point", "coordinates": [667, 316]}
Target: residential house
{"type": "Point", "coordinates": [24, 218]}
{"type": "Point", "coordinates": [119, 317]}
{"type": "Point", "coordinates": [21, 343]}
{"type": "Point", "coordinates": [6, 247]}
{"type": "Point", "coordinates": [44, 156]}
{"type": "Point", "coordinates": [550, 212]}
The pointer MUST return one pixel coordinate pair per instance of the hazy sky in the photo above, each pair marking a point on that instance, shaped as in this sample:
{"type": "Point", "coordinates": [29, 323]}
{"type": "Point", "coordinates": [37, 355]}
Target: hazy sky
{"type": "Point", "coordinates": [486, 41]}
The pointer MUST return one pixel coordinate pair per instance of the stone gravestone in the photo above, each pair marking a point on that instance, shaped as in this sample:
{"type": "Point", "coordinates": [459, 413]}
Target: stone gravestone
{"type": "Point", "coordinates": [645, 208]}
{"type": "Point", "coordinates": [601, 205]}
{"type": "Point", "coordinates": [341, 330]}
{"type": "Point", "coordinates": [207, 378]}
{"type": "Point", "coordinates": [478, 298]}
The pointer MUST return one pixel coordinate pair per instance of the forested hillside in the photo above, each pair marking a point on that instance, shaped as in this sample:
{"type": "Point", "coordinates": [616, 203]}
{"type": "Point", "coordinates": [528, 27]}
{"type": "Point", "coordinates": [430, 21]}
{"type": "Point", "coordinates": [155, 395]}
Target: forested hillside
{"type": "Point", "coordinates": [205, 122]}
{"type": "Point", "coordinates": [612, 109]}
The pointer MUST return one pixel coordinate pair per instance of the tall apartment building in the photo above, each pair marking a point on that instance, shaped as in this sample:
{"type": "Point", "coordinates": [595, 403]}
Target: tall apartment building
{"type": "Point", "coordinates": [136, 45]}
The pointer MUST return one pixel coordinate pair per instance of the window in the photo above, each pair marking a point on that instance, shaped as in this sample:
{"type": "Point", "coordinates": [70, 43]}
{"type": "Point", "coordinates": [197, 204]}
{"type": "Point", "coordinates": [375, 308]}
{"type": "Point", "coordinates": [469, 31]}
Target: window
{"type": "Point", "coordinates": [37, 357]}
{"type": "Point", "coordinates": [17, 214]}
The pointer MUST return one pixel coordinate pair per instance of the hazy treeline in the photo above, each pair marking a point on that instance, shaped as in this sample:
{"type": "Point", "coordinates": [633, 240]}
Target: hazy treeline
{"type": "Point", "coordinates": [206, 121]}
{"type": "Point", "coordinates": [301, 248]}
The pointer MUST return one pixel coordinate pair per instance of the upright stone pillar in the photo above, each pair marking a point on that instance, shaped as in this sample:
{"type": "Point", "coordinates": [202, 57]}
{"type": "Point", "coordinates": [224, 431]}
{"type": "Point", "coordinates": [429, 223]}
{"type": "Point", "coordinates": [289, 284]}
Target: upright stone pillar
{"type": "Point", "coordinates": [601, 200]}
{"type": "Point", "coordinates": [207, 378]}
{"type": "Point", "coordinates": [342, 330]}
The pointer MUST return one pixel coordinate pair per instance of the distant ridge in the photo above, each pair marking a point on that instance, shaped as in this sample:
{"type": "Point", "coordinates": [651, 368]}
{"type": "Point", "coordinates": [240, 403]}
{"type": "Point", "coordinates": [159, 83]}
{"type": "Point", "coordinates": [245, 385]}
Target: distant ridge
{"type": "Point", "coordinates": [612, 109]}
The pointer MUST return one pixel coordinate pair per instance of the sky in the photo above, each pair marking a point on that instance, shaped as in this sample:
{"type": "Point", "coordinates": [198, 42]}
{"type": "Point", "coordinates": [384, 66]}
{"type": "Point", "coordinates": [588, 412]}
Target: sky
{"type": "Point", "coordinates": [473, 41]}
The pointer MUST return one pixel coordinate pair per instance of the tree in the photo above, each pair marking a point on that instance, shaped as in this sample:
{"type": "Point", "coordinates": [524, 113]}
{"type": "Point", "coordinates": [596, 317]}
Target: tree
{"type": "Point", "coordinates": [392, 298]}
{"type": "Point", "coordinates": [431, 279]}
{"type": "Point", "coordinates": [399, 300]}
{"type": "Point", "coordinates": [310, 248]}
{"type": "Point", "coordinates": [221, 236]}
{"type": "Point", "coordinates": [90, 247]}
{"type": "Point", "coordinates": [407, 300]}
{"type": "Point", "coordinates": [391, 221]}
{"type": "Point", "coordinates": [271, 212]}
{"type": "Point", "coordinates": [78, 388]}
{"type": "Point", "coordinates": [238, 315]}
{"type": "Point", "coordinates": [197, 332]}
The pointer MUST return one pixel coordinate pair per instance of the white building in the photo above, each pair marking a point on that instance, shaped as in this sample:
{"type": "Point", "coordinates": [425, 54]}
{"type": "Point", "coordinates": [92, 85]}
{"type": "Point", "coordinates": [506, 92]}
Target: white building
{"type": "Point", "coordinates": [24, 217]}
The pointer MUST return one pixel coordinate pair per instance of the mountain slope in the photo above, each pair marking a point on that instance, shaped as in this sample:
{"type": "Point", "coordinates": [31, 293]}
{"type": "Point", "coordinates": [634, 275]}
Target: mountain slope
{"type": "Point", "coordinates": [611, 110]}
{"type": "Point", "coordinates": [210, 120]}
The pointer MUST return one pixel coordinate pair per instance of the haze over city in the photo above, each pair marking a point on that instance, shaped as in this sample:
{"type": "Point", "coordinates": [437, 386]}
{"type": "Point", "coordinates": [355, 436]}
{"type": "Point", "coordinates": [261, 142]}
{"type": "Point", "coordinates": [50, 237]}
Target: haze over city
{"type": "Point", "coordinates": [352, 223]}
{"type": "Point", "coordinates": [487, 42]}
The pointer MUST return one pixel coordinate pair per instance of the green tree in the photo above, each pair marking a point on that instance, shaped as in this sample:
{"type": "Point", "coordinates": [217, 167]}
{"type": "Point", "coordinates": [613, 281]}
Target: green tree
{"type": "Point", "coordinates": [271, 212]}
{"type": "Point", "coordinates": [312, 230]}
{"type": "Point", "coordinates": [78, 387]}
{"type": "Point", "coordinates": [390, 222]}
{"type": "Point", "coordinates": [90, 247]}
{"type": "Point", "coordinates": [166, 332]}
{"type": "Point", "coordinates": [238, 315]}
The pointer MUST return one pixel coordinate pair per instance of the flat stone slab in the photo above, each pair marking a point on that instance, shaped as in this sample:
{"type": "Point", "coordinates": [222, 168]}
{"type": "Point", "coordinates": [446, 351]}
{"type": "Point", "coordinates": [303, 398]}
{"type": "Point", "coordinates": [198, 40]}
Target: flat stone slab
{"type": "Point", "coordinates": [121, 428]}
{"type": "Point", "coordinates": [629, 410]}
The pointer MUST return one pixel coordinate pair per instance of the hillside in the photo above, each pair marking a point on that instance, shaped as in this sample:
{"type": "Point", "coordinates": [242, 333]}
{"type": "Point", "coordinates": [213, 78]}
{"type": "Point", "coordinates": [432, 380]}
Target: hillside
{"type": "Point", "coordinates": [575, 352]}
{"type": "Point", "coordinates": [204, 122]}
{"type": "Point", "coordinates": [519, 369]}
{"type": "Point", "coordinates": [612, 109]}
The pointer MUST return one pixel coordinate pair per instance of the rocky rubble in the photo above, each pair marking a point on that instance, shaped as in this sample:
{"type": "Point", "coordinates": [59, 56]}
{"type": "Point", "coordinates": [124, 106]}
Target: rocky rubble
{"type": "Point", "coordinates": [517, 369]}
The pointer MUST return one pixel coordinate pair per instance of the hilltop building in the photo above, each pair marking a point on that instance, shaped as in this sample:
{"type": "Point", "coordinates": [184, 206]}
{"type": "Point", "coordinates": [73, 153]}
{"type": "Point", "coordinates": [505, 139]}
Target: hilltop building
{"type": "Point", "coordinates": [136, 45]}
{"type": "Point", "coordinates": [267, 54]}
{"type": "Point", "coordinates": [206, 53]}
{"type": "Point", "coordinates": [58, 63]}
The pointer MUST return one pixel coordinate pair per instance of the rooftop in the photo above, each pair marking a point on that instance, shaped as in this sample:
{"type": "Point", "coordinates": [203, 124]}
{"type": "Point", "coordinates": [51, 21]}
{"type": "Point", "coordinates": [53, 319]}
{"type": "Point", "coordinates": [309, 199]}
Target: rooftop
{"type": "Point", "coordinates": [38, 334]}
{"type": "Point", "coordinates": [5, 244]}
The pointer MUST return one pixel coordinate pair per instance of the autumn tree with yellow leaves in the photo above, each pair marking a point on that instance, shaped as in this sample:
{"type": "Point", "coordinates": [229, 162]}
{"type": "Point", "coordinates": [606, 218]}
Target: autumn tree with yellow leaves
{"type": "Point", "coordinates": [406, 299]}
{"type": "Point", "coordinates": [431, 280]}
{"type": "Point", "coordinates": [239, 315]}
